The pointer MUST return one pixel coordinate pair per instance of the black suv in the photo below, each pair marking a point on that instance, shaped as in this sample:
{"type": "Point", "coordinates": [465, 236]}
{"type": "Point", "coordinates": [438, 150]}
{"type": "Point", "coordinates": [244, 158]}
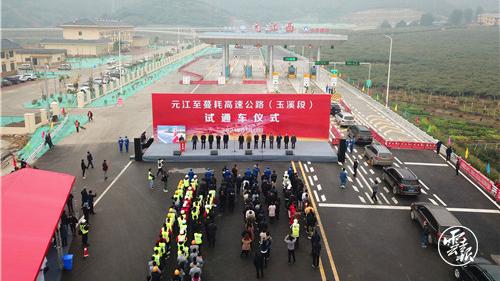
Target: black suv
{"type": "Point", "coordinates": [361, 134]}
{"type": "Point", "coordinates": [481, 269]}
{"type": "Point", "coordinates": [438, 219]}
{"type": "Point", "coordinates": [335, 108]}
{"type": "Point", "coordinates": [402, 181]}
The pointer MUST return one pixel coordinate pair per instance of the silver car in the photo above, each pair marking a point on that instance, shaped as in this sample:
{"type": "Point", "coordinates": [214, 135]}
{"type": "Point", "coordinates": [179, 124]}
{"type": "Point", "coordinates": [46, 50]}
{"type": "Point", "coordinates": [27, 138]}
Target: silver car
{"type": "Point", "coordinates": [344, 119]}
{"type": "Point", "coordinates": [379, 155]}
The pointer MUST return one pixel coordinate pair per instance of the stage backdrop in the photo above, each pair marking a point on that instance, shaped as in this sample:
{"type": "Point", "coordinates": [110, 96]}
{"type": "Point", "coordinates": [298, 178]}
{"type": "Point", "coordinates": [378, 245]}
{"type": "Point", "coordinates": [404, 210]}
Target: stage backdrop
{"type": "Point", "coordinates": [303, 115]}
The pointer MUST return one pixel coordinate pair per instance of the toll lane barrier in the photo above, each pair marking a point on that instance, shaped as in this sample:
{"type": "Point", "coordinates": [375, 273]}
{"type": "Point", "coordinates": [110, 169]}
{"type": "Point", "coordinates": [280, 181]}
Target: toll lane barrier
{"type": "Point", "coordinates": [254, 82]}
{"type": "Point", "coordinates": [345, 106]}
{"type": "Point", "coordinates": [205, 82]}
{"type": "Point", "coordinates": [410, 145]}
{"type": "Point", "coordinates": [337, 135]}
{"type": "Point", "coordinates": [377, 137]}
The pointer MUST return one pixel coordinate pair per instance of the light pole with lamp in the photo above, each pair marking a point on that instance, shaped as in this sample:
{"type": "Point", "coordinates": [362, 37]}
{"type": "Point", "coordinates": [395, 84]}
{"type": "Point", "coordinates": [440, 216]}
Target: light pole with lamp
{"type": "Point", "coordinates": [388, 72]}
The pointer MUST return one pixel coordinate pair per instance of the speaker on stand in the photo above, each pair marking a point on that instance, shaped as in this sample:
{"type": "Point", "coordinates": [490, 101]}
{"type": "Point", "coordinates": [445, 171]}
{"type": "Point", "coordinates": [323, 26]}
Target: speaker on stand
{"type": "Point", "coordinates": [137, 149]}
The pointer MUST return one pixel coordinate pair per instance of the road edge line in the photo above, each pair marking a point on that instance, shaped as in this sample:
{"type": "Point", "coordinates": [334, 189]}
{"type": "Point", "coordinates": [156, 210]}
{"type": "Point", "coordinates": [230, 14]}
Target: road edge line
{"type": "Point", "coordinates": [322, 230]}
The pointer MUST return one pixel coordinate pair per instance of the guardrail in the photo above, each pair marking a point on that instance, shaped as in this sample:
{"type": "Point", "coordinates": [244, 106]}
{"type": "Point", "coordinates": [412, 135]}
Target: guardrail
{"type": "Point", "coordinates": [37, 150]}
{"type": "Point", "coordinates": [480, 179]}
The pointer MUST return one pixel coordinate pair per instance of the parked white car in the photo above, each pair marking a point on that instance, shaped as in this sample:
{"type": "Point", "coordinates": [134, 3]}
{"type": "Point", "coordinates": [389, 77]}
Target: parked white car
{"type": "Point", "coordinates": [30, 76]}
{"type": "Point", "coordinates": [344, 119]}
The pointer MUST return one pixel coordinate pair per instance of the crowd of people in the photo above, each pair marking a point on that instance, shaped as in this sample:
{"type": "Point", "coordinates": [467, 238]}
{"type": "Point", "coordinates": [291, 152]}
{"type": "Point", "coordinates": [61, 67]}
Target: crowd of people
{"type": "Point", "coordinates": [262, 139]}
{"type": "Point", "coordinates": [190, 221]}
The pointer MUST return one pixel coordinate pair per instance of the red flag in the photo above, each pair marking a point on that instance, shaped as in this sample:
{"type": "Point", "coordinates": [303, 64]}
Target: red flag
{"type": "Point", "coordinates": [14, 162]}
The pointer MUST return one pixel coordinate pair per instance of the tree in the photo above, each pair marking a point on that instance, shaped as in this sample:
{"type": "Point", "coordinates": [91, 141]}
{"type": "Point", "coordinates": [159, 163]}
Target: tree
{"type": "Point", "coordinates": [479, 10]}
{"type": "Point", "coordinates": [468, 14]}
{"type": "Point", "coordinates": [385, 24]}
{"type": "Point", "coordinates": [413, 23]}
{"type": "Point", "coordinates": [456, 17]}
{"type": "Point", "coordinates": [426, 19]}
{"type": "Point", "coordinates": [402, 23]}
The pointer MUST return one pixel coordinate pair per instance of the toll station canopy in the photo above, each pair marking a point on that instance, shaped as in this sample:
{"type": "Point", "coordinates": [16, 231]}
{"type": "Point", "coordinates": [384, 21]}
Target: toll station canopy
{"type": "Point", "coordinates": [272, 39]}
{"type": "Point", "coordinates": [32, 204]}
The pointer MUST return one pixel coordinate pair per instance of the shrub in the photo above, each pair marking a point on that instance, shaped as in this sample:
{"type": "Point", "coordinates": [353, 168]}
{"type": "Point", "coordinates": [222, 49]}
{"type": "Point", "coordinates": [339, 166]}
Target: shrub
{"type": "Point", "coordinates": [59, 99]}
{"type": "Point", "coordinates": [34, 101]}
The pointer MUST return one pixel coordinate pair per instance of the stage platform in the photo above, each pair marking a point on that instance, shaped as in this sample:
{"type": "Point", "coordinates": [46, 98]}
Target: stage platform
{"type": "Point", "coordinates": [317, 151]}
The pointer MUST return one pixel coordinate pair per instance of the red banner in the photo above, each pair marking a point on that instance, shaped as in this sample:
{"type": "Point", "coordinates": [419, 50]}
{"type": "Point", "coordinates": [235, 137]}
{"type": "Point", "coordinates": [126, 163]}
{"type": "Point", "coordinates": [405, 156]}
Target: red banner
{"type": "Point", "coordinates": [302, 115]}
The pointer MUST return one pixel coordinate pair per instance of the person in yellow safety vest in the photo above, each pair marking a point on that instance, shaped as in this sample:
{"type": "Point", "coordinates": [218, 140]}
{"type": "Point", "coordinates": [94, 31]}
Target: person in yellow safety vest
{"type": "Point", "coordinates": [195, 181]}
{"type": "Point", "coordinates": [84, 229]}
{"type": "Point", "coordinates": [198, 238]}
{"type": "Point", "coordinates": [295, 227]}
{"type": "Point", "coordinates": [185, 182]}
{"type": "Point", "coordinates": [163, 247]}
{"type": "Point", "coordinates": [180, 249]}
{"type": "Point", "coordinates": [156, 257]}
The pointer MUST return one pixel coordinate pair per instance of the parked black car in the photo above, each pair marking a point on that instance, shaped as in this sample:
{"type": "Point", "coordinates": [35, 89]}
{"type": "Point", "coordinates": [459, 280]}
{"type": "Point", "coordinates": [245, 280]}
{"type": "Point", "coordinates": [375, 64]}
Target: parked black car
{"type": "Point", "coordinates": [335, 108]}
{"type": "Point", "coordinates": [479, 270]}
{"type": "Point", "coordinates": [438, 219]}
{"type": "Point", "coordinates": [14, 79]}
{"type": "Point", "coordinates": [6, 83]}
{"type": "Point", "coordinates": [402, 181]}
{"type": "Point", "coordinates": [361, 134]}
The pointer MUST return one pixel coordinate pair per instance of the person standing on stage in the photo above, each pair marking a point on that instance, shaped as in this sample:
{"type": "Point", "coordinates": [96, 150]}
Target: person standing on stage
{"type": "Point", "coordinates": [203, 141]}
{"type": "Point", "coordinates": [293, 139]}
{"type": "Point", "coordinates": [264, 138]}
{"type": "Point", "coordinates": [217, 141]}
{"type": "Point", "coordinates": [241, 140]}
{"type": "Point", "coordinates": [256, 141]}
{"type": "Point", "coordinates": [210, 141]}
{"type": "Point", "coordinates": [286, 140]}
{"type": "Point", "coordinates": [271, 141]}
{"type": "Point", "coordinates": [249, 141]}
{"type": "Point", "coordinates": [278, 141]}
{"type": "Point", "coordinates": [225, 139]}
{"type": "Point", "coordinates": [194, 140]}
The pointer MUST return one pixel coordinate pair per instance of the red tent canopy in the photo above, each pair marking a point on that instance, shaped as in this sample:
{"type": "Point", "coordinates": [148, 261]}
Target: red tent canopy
{"type": "Point", "coordinates": [32, 203]}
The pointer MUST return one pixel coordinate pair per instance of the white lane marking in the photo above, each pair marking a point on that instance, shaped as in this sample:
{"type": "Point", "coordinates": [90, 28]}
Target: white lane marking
{"type": "Point", "coordinates": [195, 88]}
{"type": "Point", "coordinates": [112, 183]}
{"type": "Point", "coordinates": [315, 178]}
{"type": "Point", "coordinates": [423, 191]}
{"type": "Point", "coordinates": [467, 210]}
{"type": "Point", "coordinates": [323, 198]}
{"type": "Point", "coordinates": [372, 172]}
{"type": "Point", "coordinates": [350, 169]}
{"type": "Point", "coordinates": [365, 163]}
{"type": "Point", "coordinates": [439, 199]}
{"type": "Point", "coordinates": [319, 187]}
{"type": "Point", "coordinates": [378, 179]}
{"type": "Point", "coordinates": [355, 150]}
{"type": "Point", "coordinates": [394, 200]}
{"type": "Point", "coordinates": [423, 184]}
{"type": "Point", "coordinates": [390, 207]}
{"type": "Point", "coordinates": [336, 148]}
{"type": "Point", "coordinates": [480, 189]}
{"type": "Point", "coordinates": [360, 198]}
{"type": "Point", "coordinates": [352, 162]}
{"type": "Point", "coordinates": [306, 168]}
{"type": "Point", "coordinates": [363, 169]}
{"type": "Point", "coordinates": [349, 179]}
{"type": "Point", "coordinates": [360, 157]}
{"type": "Point", "coordinates": [355, 188]}
{"type": "Point", "coordinates": [397, 165]}
{"type": "Point", "coordinates": [310, 180]}
{"type": "Point", "coordinates": [359, 182]}
{"type": "Point", "coordinates": [385, 199]}
{"type": "Point", "coordinates": [399, 161]}
{"type": "Point", "coordinates": [426, 164]}
{"type": "Point", "coordinates": [348, 156]}
{"type": "Point", "coordinates": [372, 181]}
{"type": "Point", "coordinates": [359, 206]}
{"type": "Point", "coordinates": [386, 190]}
{"type": "Point", "coordinates": [369, 198]}
{"type": "Point", "coordinates": [340, 163]}
{"type": "Point", "coordinates": [311, 169]}
{"type": "Point", "coordinates": [366, 182]}
{"type": "Point", "coordinates": [316, 195]}
{"type": "Point", "coordinates": [309, 162]}
{"type": "Point", "coordinates": [433, 202]}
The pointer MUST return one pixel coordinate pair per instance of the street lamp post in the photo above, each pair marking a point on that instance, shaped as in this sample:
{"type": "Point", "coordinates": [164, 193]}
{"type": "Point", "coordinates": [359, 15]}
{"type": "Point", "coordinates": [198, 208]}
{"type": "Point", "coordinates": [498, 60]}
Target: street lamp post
{"type": "Point", "coordinates": [388, 72]}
